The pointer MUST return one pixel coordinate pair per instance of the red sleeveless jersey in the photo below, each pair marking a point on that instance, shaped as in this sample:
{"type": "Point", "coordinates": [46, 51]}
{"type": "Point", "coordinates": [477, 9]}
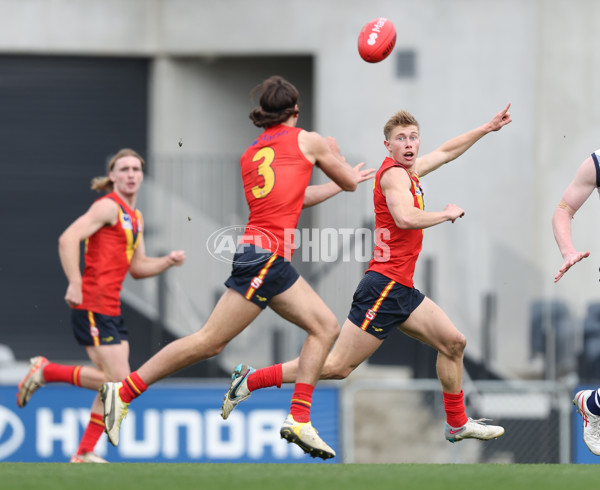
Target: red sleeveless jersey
{"type": "Point", "coordinates": [275, 174]}
{"type": "Point", "coordinates": [108, 254]}
{"type": "Point", "coordinates": [396, 250]}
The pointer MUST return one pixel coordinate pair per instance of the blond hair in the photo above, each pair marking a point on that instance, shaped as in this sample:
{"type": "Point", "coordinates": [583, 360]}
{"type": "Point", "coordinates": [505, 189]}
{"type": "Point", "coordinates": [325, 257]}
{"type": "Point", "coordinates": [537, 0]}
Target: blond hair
{"type": "Point", "coordinates": [103, 183]}
{"type": "Point", "coordinates": [401, 118]}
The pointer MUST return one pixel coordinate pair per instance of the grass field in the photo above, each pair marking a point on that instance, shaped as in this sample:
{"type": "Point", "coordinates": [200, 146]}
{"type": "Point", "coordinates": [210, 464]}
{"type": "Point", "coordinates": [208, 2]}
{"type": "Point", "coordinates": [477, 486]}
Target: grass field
{"type": "Point", "coordinates": [151, 476]}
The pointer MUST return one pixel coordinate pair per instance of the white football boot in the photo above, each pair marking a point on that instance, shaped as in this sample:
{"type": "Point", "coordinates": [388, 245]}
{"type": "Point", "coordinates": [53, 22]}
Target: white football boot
{"type": "Point", "coordinates": [591, 422]}
{"type": "Point", "coordinates": [473, 429]}
{"type": "Point", "coordinates": [238, 389]}
{"type": "Point", "coordinates": [87, 458]}
{"type": "Point", "coordinates": [305, 436]}
{"type": "Point", "coordinates": [33, 380]}
{"type": "Point", "coordinates": [115, 410]}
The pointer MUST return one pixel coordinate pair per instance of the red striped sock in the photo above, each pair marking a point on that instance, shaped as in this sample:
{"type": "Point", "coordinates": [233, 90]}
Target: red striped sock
{"type": "Point", "coordinates": [265, 377]}
{"type": "Point", "coordinates": [92, 433]}
{"type": "Point", "coordinates": [455, 409]}
{"type": "Point", "coordinates": [301, 402]}
{"type": "Point", "coordinates": [132, 387]}
{"type": "Point", "coordinates": [57, 373]}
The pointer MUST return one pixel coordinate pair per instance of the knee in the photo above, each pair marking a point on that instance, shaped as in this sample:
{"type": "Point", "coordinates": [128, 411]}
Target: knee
{"type": "Point", "coordinates": [324, 329]}
{"type": "Point", "coordinates": [338, 372]}
{"type": "Point", "coordinates": [334, 369]}
{"type": "Point", "coordinates": [206, 349]}
{"type": "Point", "coordinates": [202, 345]}
{"type": "Point", "coordinates": [331, 329]}
{"type": "Point", "coordinates": [456, 345]}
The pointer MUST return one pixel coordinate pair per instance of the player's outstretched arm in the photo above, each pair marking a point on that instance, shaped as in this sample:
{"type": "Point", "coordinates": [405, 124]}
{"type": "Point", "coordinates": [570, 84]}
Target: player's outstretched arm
{"type": "Point", "coordinates": [455, 147]}
{"type": "Point", "coordinates": [316, 194]}
{"type": "Point", "coordinates": [396, 185]}
{"type": "Point", "coordinates": [561, 226]}
{"type": "Point", "coordinates": [575, 195]}
{"type": "Point", "coordinates": [569, 261]}
{"type": "Point", "coordinates": [325, 153]}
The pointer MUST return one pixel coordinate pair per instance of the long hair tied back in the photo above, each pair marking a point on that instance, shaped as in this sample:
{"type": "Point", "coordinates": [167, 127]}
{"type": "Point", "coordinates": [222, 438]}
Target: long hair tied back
{"type": "Point", "coordinates": [103, 182]}
{"type": "Point", "coordinates": [278, 101]}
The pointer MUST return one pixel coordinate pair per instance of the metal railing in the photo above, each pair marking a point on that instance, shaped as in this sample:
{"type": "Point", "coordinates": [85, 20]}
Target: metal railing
{"type": "Point", "coordinates": [402, 421]}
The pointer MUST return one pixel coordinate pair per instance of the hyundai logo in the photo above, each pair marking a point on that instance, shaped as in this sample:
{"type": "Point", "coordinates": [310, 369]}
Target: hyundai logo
{"type": "Point", "coordinates": [12, 433]}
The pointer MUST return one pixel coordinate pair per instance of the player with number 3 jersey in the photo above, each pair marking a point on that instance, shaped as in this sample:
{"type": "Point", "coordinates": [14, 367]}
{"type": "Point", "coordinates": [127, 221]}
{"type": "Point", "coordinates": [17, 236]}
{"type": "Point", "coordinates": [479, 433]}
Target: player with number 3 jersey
{"type": "Point", "coordinates": [276, 171]}
{"type": "Point", "coordinates": [275, 174]}
{"type": "Point", "coordinates": [386, 299]}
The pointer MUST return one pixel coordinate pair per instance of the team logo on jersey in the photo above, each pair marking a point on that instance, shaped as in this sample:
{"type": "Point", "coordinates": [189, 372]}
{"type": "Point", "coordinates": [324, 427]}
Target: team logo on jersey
{"type": "Point", "coordinates": [126, 222]}
{"type": "Point", "coordinates": [419, 193]}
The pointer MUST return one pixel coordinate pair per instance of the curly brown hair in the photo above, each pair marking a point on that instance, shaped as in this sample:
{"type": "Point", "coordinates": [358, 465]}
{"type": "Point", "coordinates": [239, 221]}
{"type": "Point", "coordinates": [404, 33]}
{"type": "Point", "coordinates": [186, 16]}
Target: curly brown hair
{"type": "Point", "coordinates": [278, 101]}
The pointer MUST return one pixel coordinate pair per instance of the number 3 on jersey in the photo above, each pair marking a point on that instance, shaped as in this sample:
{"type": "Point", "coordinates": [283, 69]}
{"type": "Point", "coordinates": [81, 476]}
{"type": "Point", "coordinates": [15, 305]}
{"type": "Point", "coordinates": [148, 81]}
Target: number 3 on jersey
{"type": "Point", "coordinates": [267, 155]}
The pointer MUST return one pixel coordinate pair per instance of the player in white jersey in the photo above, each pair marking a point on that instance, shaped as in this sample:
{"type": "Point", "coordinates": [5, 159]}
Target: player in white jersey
{"type": "Point", "coordinates": [586, 180]}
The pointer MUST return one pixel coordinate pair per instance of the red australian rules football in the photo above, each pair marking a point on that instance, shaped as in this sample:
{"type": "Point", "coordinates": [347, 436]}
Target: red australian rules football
{"type": "Point", "coordinates": [376, 40]}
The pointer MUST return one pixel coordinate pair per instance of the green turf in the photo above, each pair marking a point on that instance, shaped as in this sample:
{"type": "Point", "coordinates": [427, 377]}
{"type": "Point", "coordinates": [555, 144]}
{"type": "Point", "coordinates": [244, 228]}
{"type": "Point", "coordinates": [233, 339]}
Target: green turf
{"type": "Point", "coordinates": [151, 476]}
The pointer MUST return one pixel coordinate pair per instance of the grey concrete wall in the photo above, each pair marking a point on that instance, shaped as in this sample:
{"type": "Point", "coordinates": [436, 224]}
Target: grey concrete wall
{"type": "Point", "coordinates": [472, 58]}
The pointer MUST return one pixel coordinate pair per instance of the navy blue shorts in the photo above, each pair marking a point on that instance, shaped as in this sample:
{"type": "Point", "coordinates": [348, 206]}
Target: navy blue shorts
{"type": "Point", "coordinates": [380, 304]}
{"type": "Point", "coordinates": [95, 329]}
{"type": "Point", "coordinates": [258, 274]}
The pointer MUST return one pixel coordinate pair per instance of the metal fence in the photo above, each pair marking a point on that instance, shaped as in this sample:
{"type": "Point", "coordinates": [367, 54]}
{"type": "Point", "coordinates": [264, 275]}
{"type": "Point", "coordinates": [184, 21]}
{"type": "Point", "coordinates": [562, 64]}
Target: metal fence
{"type": "Point", "coordinates": [402, 421]}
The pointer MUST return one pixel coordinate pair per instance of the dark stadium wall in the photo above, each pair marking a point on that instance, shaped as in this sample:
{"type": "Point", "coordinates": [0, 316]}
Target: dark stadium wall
{"type": "Point", "coordinates": [62, 117]}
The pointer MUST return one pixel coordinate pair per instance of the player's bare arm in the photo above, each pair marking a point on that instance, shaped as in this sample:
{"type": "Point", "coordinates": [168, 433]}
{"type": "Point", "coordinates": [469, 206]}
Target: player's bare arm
{"type": "Point", "coordinates": [143, 266]}
{"type": "Point", "coordinates": [316, 194]}
{"type": "Point", "coordinates": [455, 147]}
{"type": "Point", "coordinates": [576, 194]}
{"type": "Point", "coordinates": [396, 186]}
{"type": "Point", "coordinates": [101, 213]}
{"type": "Point", "coordinates": [318, 150]}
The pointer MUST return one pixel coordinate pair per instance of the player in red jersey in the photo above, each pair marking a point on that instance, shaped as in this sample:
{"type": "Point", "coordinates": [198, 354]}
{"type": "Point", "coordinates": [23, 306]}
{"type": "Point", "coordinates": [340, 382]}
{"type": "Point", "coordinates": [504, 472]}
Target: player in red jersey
{"type": "Point", "coordinates": [585, 181]}
{"type": "Point", "coordinates": [276, 170]}
{"type": "Point", "coordinates": [386, 298]}
{"type": "Point", "coordinates": [114, 245]}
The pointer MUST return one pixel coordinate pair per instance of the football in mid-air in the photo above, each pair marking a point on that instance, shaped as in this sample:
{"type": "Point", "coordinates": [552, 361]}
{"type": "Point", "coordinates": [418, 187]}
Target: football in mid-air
{"type": "Point", "coordinates": [376, 40]}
